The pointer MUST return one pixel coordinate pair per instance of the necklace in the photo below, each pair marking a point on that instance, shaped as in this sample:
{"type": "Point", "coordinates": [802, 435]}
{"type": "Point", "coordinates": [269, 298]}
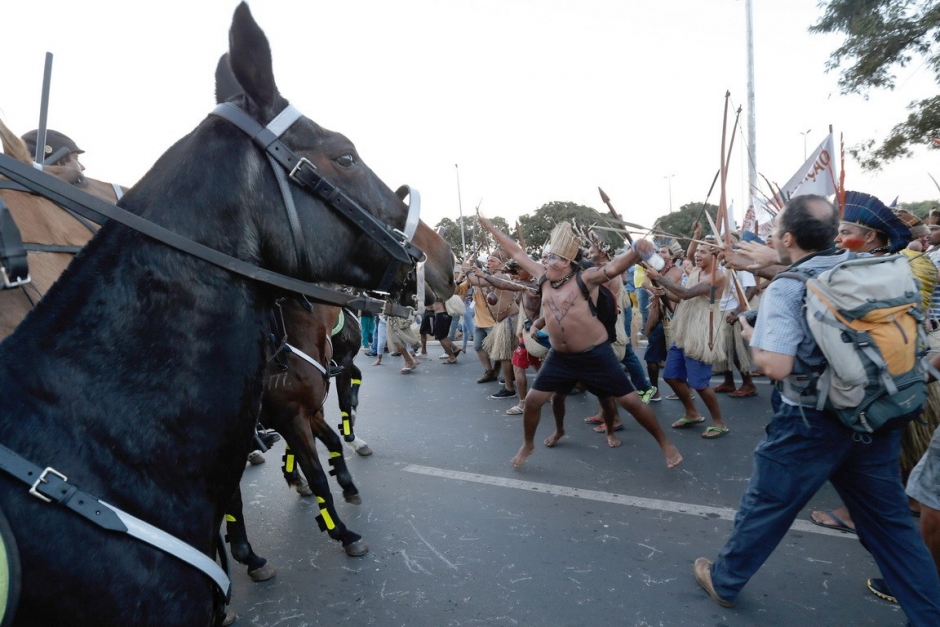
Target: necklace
{"type": "Point", "coordinates": [562, 280]}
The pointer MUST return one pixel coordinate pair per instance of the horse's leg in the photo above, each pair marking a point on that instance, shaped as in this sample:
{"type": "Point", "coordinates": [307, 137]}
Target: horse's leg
{"type": "Point", "coordinates": [333, 444]}
{"type": "Point", "coordinates": [302, 443]}
{"type": "Point", "coordinates": [292, 474]}
{"type": "Point", "coordinates": [237, 537]}
{"type": "Point", "coordinates": [347, 393]}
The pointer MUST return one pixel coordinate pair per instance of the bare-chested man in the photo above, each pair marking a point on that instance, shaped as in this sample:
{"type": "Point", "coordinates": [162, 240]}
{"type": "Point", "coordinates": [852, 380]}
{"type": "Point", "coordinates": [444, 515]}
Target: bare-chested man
{"type": "Point", "coordinates": [580, 348]}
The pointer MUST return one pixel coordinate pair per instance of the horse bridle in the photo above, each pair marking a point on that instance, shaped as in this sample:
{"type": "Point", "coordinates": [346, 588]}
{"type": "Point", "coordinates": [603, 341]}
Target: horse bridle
{"type": "Point", "coordinates": [301, 171]}
{"type": "Point", "coordinates": [396, 243]}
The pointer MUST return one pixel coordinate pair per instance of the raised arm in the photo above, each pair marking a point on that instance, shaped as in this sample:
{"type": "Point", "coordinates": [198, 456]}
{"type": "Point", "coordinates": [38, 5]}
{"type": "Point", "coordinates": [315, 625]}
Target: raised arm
{"type": "Point", "coordinates": [505, 242]}
{"type": "Point", "coordinates": [619, 264]}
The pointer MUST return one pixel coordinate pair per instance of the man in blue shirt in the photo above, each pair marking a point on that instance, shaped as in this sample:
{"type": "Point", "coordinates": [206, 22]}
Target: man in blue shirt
{"type": "Point", "coordinates": [804, 447]}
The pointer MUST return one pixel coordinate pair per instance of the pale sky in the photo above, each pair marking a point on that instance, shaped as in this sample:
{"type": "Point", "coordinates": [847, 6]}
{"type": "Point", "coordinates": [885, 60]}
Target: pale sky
{"type": "Point", "coordinates": [533, 101]}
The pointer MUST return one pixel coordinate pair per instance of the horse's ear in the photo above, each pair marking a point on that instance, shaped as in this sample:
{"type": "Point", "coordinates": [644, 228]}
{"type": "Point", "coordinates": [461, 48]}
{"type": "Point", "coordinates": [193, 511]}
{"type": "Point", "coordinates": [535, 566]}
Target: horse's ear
{"type": "Point", "coordinates": [226, 85]}
{"type": "Point", "coordinates": [250, 59]}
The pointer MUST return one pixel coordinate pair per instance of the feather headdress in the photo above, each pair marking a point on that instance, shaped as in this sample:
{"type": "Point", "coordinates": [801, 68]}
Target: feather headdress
{"type": "Point", "coordinates": [867, 211]}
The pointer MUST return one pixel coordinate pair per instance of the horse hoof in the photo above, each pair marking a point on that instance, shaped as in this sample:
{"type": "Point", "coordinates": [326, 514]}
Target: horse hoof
{"type": "Point", "coordinates": [264, 573]}
{"type": "Point", "coordinates": [356, 549]}
{"type": "Point", "coordinates": [230, 618]}
{"type": "Point", "coordinates": [354, 499]}
{"type": "Point", "coordinates": [255, 458]}
{"type": "Point", "coordinates": [302, 487]}
{"type": "Point", "coordinates": [364, 450]}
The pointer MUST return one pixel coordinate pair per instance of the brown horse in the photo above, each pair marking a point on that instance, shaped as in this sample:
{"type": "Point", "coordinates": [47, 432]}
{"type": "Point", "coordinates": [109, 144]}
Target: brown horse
{"type": "Point", "coordinates": [42, 222]}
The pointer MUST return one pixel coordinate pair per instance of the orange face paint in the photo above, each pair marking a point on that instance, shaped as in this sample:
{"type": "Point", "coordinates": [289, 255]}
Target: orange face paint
{"type": "Point", "coordinates": [852, 242]}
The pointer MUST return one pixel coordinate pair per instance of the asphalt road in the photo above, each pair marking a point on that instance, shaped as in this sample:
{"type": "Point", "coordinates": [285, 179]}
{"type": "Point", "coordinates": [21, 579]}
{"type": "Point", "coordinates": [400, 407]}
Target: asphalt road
{"type": "Point", "coordinates": [581, 535]}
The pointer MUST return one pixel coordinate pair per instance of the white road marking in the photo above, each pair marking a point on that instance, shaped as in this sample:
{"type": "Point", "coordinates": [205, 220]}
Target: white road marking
{"type": "Point", "coordinates": [723, 513]}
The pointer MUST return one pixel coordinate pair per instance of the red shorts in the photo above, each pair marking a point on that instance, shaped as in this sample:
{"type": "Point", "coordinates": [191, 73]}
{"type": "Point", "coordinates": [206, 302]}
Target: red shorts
{"type": "Point", "coordinates": [522, 359]}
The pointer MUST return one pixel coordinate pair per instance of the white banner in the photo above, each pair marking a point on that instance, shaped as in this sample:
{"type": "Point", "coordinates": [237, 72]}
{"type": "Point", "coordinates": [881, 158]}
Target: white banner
{"type": "Point", "coordinates": [817, 175]}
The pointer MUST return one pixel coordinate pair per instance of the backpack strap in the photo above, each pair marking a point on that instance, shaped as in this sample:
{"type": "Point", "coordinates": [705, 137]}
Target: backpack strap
{"type": "Point", "coordinates": [587, 295]}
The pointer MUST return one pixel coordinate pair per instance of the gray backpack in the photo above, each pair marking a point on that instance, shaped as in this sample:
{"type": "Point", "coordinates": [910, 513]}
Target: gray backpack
{"type": "Point", "coordinates": [864, 314]}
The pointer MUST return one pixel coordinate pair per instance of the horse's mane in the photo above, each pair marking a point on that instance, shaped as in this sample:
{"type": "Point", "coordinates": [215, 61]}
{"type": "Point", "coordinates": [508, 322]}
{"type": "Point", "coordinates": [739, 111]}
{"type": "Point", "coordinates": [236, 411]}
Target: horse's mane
{"type": "Point", "coordinates": [13, 145]}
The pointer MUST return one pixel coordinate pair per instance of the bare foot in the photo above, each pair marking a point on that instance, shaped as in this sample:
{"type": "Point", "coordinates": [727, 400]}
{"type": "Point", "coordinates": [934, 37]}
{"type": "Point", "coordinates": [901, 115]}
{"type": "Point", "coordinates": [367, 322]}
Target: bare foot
{"type": "Point", "coordinates": [613, 441]}
{"type": "Point", "coordinates": [377, 362]}
{"type": "Point", "coordinates": [552, 440]}
{"type": "Point", "coordinates": [524, 451]}
{"type": "Point", "coordinates": [672, 455]}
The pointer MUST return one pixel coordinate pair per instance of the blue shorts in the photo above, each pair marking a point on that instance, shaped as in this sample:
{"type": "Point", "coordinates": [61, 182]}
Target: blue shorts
{"type": "Point", "coordinates": [696, 373]}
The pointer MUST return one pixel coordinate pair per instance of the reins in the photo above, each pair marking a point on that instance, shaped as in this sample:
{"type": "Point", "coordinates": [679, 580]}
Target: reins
{"type": "Point", "coordinates": [81, 202]}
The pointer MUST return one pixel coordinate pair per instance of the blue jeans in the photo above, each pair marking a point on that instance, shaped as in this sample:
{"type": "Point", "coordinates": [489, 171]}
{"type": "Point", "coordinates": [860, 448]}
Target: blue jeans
{"type": "Point", "coordinates": [379, 337]}
{"type": "Point", "coordinates": [643, 301]}
{"type": "Point", "coordinates": [468, 328]}
{"type": "Point", "coordinates": [630, 361]}
{"type": "Point", "coordinates": [791, 463]}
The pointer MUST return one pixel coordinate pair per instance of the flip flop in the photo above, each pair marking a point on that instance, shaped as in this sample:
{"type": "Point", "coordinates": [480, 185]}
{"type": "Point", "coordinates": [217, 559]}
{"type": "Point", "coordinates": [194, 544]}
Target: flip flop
{"type": "Point", "coordinates": [839, 526]}
{"type": "Point", "coordinates": [725, 389]}
{"type": "Point", "coordinates": [448, 362]}
{"type": "Point", "coordinates": [603, 428]}
{"type": "Point", "coordinates": [717, 431]}
{"type": "Point", "coordinates": [594, 420]}
{"type": "Point", "coordinates": [741, 394]}
{"type": "Point", "coordinates": [515, 411]}
{"type": "Point", "coordinates": [675, 397]}
{"type": "Point", "coordinates": [407, 369]}
{"type": "Point", "coordinates": [685, 423]}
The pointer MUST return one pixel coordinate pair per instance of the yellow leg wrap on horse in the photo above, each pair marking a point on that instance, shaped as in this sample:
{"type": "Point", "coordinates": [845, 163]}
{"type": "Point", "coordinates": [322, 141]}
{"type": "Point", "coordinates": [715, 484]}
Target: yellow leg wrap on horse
{"type": "Point", "coordinates": [345, 425]}
{"type": "Point", "coordinates": [327, 520]}
{"type": "Point", "coordinates": [230, 518]}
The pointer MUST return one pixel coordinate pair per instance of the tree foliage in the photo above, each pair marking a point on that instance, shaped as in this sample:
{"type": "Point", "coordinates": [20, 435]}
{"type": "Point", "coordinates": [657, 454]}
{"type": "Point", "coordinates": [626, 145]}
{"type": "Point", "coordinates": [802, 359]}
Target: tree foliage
{"type": "Point", "coordinates": [881, 36]}
{"type": "Point", "coordinates": [537, 228]}
{"type": "Point", "coordinates": [679, 223]}
{"type": "Point", "coordinates": [473, 234]}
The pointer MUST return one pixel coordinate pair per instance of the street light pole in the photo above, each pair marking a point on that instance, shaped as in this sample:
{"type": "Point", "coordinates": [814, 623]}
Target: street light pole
{"type": "Point", "coordinates": [804, 134]}
{"type": "Point", "coordinates": [463, 238]}
{"type": "Point", "coordinates": [669, 182]}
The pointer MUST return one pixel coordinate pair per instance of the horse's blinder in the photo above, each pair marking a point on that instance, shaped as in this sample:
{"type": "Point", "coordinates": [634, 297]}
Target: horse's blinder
{"type": "Point", "coordinates": [396, 243]}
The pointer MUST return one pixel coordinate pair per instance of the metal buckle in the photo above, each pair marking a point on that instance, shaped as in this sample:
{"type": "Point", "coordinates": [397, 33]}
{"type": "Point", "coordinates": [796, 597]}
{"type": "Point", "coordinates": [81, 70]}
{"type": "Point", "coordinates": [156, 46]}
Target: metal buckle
{"type": "Point", "coordinates": [42, 479]}
{"type": "Point", "coordinates": [297, 167]}
{"type": "Point", "coordinates": [7, 284]}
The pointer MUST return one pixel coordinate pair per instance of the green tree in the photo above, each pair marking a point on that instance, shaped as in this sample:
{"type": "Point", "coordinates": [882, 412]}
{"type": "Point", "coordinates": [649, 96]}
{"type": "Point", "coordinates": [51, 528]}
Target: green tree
{"type": "Point", "coordinates": [537, 228]}
{"type": "Point", "coordinates": [679, 223]}
{"type": "Point", "coordinates": [920, 208]}
{"type": "Point", "coordinates": [880, 36]}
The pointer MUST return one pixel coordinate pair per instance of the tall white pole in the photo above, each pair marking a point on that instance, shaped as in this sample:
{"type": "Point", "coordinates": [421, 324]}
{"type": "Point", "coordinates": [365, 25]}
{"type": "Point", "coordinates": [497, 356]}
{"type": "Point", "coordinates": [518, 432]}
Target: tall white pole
{"type": "Point", "coordinates": [463, 238]}
{"type": "Point", "coordinates": [751, 115]}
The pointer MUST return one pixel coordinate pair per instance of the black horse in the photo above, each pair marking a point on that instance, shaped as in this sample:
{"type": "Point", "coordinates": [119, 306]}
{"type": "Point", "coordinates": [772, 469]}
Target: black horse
{"type": "Point", "coordinates": [139, 375]}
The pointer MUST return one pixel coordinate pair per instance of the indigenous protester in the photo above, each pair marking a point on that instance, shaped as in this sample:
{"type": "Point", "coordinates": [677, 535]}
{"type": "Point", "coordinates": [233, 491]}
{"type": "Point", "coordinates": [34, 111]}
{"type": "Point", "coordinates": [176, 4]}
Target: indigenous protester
{"type": "Point", "coordinates": [483, 320]}
{"type": "Point", "coordinates": [662, 307]}
{"type": "Point", "coordinates": [698, 334]}
{"type": "Point", "coordinates": [402, 337]}
{"type": "Point", "coordinates": [501, 306]}
{"type": "Point", "coordinates": [734, 352]}
{"type": "Point", "coordinates": [440, 329]}
{"type": "Point", "coordinates": [528, 353]}
{"type": "Point", "coordinates": [600, 252]}
{"type": "Point", "coordinates": [804, 446]}
{"type": "Point", "coordinates": [868, 227]}
{"type": "Point", "coordinates": [580, 349]}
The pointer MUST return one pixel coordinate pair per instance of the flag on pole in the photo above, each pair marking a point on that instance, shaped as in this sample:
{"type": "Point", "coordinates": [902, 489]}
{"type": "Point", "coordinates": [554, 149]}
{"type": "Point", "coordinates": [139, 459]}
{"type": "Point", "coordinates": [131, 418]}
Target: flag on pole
{"type": "Point", "coordinates": [817, 175]}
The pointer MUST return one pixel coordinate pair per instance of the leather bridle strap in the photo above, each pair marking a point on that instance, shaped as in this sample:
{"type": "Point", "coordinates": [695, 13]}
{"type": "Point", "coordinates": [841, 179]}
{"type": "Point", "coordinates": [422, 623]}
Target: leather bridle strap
{"type": "Point", "coordinates": [49, 485]}
{"type": "Point", "coordinates": [395, 243]}
{"type": "Point", "coordinates": [14, 268]}
{"type": "Point", "coordinates": [68, 196]}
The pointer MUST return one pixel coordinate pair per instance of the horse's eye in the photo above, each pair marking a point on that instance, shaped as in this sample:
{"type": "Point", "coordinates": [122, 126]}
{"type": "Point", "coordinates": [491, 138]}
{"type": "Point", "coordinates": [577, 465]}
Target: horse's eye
{"type": "Point", "coordinates": [346, 161]}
